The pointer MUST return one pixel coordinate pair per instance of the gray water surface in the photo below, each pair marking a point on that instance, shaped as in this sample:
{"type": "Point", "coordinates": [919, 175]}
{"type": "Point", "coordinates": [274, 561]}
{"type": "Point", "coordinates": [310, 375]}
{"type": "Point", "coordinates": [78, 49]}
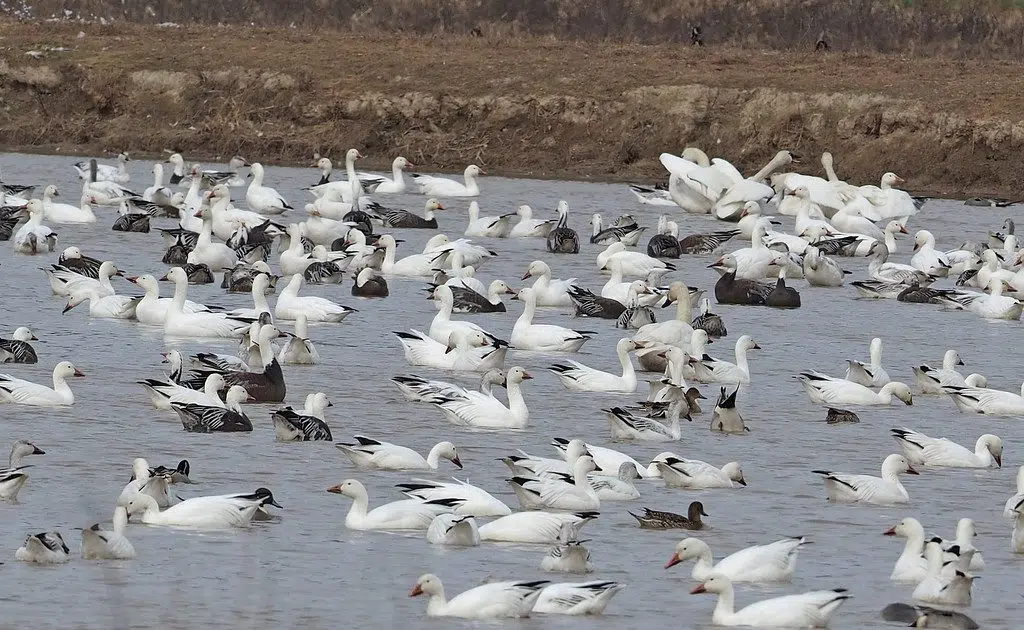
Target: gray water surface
{"type": "Point", "coordinates": [307, 570]}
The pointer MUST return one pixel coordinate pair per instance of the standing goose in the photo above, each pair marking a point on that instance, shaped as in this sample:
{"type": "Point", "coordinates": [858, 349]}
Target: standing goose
{"type": "Point", "coordinates": [563, 239]}
{"type": "Point", "coordinates": [580, 378]}
{"type": "Point", "coordinates": [872, 374]}
{"type": "Point", "coordinates": [14, 476]}
{"type": "Point", "coordinates": [884, 490]}
{"type": "Point", "coordinates": [17, 349]}
{"type": "Point", "coordinates": [20, 392]}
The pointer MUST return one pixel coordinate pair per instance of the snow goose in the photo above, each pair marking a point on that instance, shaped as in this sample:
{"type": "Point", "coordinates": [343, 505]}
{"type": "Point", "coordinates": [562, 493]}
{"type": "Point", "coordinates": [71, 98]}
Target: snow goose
{"type": "Point", "coordinates": [527, 335]}
{"type": "Point", "coordinates": [72, 259]}
{"type": "Point", "coordinates": [726, 418]}
{"type": "Point", "coordinates": [489, 601]}
{"type": "Point", "coordinates": [820, 270]}
{"type": "Point", "coordinates": [828, 390]}
{"type": "Point", "coordinates": [101, 544]}
{"type": "Point", "coordinates": [525, 464]}
{"type": "Point", "coordinates": [416, 265]}
{"type": "Point", "coordinates": [691, 195]}
{"type": "Point", "coordinates": [709, 322]}
{"type": "Point", "coordinates": [404, 514]}
{"type": "Point", "coordinates": [258, 289]}
{"type": "Point", "coordinates": [813, 609]}
{"type": "Point", "coordinates": [911, 565]}
{"type": "Point", "coordinates": [207, 512]}
{"type": "Point", "coordinates": [884, 490]}
{"type": "Point", "coordinates": [751, 262]}
{"type": "Point", "coordinates": [534, 526]}
{"type": "Point", "coordinates": [993, 402]}
{"type": "Point", "coordinates": [117, 173]}
{"type": "Point", "coordinates": [469, 300]}
{"type": "Point", "coordinates": [370, 454]}
{"type": "Point", "coordinates": [674, 331]}
{"type": "Point", "coordinates": [528, 226]}
{"type": "Point", "coordinates": [398, 218]}
{"type": "Point", "coordinates": [44, 548]}
{"type": "Point", "coordinates": [145, 481]}
{"type": "Point", "coordinates": [65, 282]}
{"type": "Point", "coordinates": [580, 378]}
{"type": "Point", "coordinates": [568, 555]}
{"type": "Point", "coordinates": [291, 426]}
{"type": "Point", "coordinates": [695, 474]}
{"type": "Point", "coordinates": [443, 187]}
{"type": "Point", "coordinates": [626, 426]}
{"type": "Point", "coordinates": [991, 305]}
{"type": "Point", "coordinates": [484, 411]}
{"type": "Point", "coordinates": [464, 497]}
{"type": "Point", "coordinates": [205, 418]}
{"type": "Point", "coordinates": [880, 269]}
{"type": "Point", "coordinates": [563, 239]}
{"type": "Point", "coordinates": [158, 193]}
{"type": "Point", "coordinates": [631, 263]}
{"type": "Point", "coordinates": [872, 374]}
{"type": "Point", "coordinates": [732, 290]}
{"type": "Point", "coordinates": [559, 494]}
{"type": "Point", "coordinates": [621, 487]}
{"type": "Point", "coordinates": [267, 385]}
{"type": "Point", "coordinates": [216, 255]}
{"type": "Point", "coordinates": [922, 450]}
{"type": "Point", "coordinates": [607, 459]}
{"type": "Point", "coordinates": [774, 562]}
{"type": "Point", "coordinates": [349, 189]}
{"type": "Point", "coordinates": [657, 519]}
{"type": "Point", "coordinates": [418, 389]}
{"type": "Point", "coordinates": [970, 557]}
{"type": "Point", "coordinates": [65, 212]}
{"type": "Point", "coordinates": [850, 221]}
{"type": "Point", "coordinates": [732, 200]}
{"type": "Point", "coordinates": [152, 309]}
{"type": "Point", "coordinates": [919, 616]}
{"type": "Point", "coordinates": [926, 258]}
{"type": "Point", "coordinates": [1010, 509]}
{"type": "Point", "coordinates": [698, 244]}
{"type": "Point", "coordinates": [178, 323]}
{"type": "Point", "coordinates": [370, 284]}
{"type": "Point", "coordinates": [17, 391]}
{"type": "Point", "coordinates": [397, 182]}
{"type": "Point", "coordinates": [163, 393]}
{"type": "Point", "coordinates": [14, 476]}
{"type": "Point", "coordinates": [940, 586]}
{"type": "Point", "coordinates": [465, 351]}
{"type": "Point", "coordinates": [624, 231]}
{"type": "Point", "coordinates": [665, 244]}
{"type": "Point", "coordinates": [453, 530]}
{"type": "Point", "coordinates": [442, 326]}
{"type": "Point", "coordinates": [489, 227]}
{"type": "Point", "coordinates": [17, 349]}
{"type": "Point", "coordinates": [316, 309]}
{"type": "Point", "coordinates": [548, 292]}
{"type": "Point", "coordinates": [33, 237]}
{"type": "Point", "coordinates": [299, 350]}
{"type": "Point", "coordinates": [577, 598]}
{"type": "Point", "coordinates": [263, 199]}
{"type": "Point", "coordinates": [711, 370]}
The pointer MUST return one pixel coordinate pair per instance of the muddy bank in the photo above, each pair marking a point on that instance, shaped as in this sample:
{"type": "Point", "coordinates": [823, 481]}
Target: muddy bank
{"type": "Point", "coordinates": [520, 107]}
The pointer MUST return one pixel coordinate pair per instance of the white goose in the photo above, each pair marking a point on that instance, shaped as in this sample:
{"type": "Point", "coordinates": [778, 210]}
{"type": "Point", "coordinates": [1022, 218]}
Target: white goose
{"type": "Point", "coordinates": [405, 514]}
{"type": "Point", "coordinates": [991, 305]}
{"type": "Point", "coordinates": [489, 601]}
{"type": "Point", "coordinates": [872, 374]}
{"type": "Point", "coordinates": [608, 459]}
{"type": "Point", "coordinates": [805, 610]}
{"type": "Point", "coordinates": [822, 271]}
{"type": "Point", "coordinates": [370, 454]}
{"type": "Point", "coordinates": [489, 227]}
{"type": "Point", "coordinates": [208, 512]}
{"type": "Point", "coordinates": [463, 497]}
{"type": "Point", "coordinates": [534, 526]}
{"type": "Point", "coordinates": [577, 598]}
{"type": "Point", "coordinates": [932, 381]}
{"type": "Point", "coordinates": [263, 199]}
{"type": "Point", "coordinates": [33, 237]}
{"type": "Point", "coordinates": [678, 331]}
{"type": "Point", "coordinates": [911, 565]}
{"type": "Point", "coordinates": [827, 390]}
{"type": "Point", "coordinates": [540, 493]}
{"type": "Point", "coordinates": [465, 351]}
{"type": "Point", "coordinates": [547, 291]}
{"type": "Point", "coordinates": [774, 562]}
{"type": "Point", "coordinates": [65, 282]}
{"type": "Point", "coordinates": [542, 337]}
{"type": "Point", "coordinates": [442, 326]}
{"type": "Point", "coordinates": [993, 402]}
{"type": "Point", "coordinates": [299, 350]}
{"type": "Point", "coordinates": [453, 530]}
{"type": "Point", "coordinates": [580, 378]}
{"type": "Point", "coordinates": [695, 474]}
{"type": "Point", "coordinates": [631, 263]}
{"type": "Point", "coordinates": [528, 226]}
{"type": "Point", "coordinates": [163, 393]}
{"type": "Point", "coordinates": [105, 172]}
{"type": "Point", "coordinates": [444, 187]}
{"type": "Point", "coordinates": [484, 411]}
{"type": "Point", "coordinates": [397, 182]}
{"type": "Point", "coordinates": [416, 265]}
{"type": "Point", "coordinates": [942, 585]}
{"type": "Point", "coordinates": [711, 370]}
{"type": "Point", "coordinates": [178, 323]}
{"type": "Point", "coordinates": [101, 544]}
{"type": "Point", "coordinates": [729, 205]}
{"type": "Point", "coordinates": [884, 490]}
{"type": "Point", "coordinates": [14, 476]}
{"type": "Point", "coordinates": [44, 548]}
{"type": "Point", "coordinates": [152, 309]}
{"type": "Point", "coordinates": [65, 212]}
{"type": "Point", "coordinates": [418, 389]}
{"type": "Point", "coordinates": [922, 450]}
{"type": "Point", "coordinates": [217, 256]}
{"type": "Point", "coordinates": [20, 392]}
{"type": "Point", "coordinates": [1010, 509]}
{"type": "Point", "coordinates": [316, 309]}
{"type": "Point", "coordinates": [926, 257]}
{"type": "Point", "coordinates": [108, 306]}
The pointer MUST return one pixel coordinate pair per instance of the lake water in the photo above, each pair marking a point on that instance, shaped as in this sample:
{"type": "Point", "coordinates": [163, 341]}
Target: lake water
{"type": "Point", "coordinates": [307, 570]}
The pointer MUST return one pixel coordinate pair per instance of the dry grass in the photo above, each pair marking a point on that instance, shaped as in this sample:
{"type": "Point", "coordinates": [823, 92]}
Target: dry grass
{"type": "Point", "coordinates": [526, 105]}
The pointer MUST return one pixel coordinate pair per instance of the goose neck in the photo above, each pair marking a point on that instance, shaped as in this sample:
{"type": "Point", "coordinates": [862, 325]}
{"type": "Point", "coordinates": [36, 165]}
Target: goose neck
{"type": "Point", "coordinates": [434, 456]}
{"type": "Point", "coordinates": [724, 606]}
{"type": "Point", "coordinates": [516, 402]}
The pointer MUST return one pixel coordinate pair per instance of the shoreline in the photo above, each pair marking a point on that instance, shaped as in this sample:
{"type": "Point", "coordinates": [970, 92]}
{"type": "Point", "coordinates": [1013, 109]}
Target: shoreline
{"type": "Point", "coordinates": [519, 107]}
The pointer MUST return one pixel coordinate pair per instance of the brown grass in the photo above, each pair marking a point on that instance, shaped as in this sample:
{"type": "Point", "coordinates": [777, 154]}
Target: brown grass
{"type": "Point", "coordinates": [525, 105]}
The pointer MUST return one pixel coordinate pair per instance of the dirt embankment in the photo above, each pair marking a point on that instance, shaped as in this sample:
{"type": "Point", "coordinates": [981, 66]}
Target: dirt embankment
{"type": "Point", "coordinates": [519, 106]}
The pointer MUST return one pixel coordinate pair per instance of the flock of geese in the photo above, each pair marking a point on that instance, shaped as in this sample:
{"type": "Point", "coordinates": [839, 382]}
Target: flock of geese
{"type": "Point", "coordinates": [347, 235]}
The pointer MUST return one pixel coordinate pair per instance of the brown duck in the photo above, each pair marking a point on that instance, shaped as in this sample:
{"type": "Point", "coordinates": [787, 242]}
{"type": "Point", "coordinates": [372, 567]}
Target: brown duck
{"type": "Point", "coordinates": [656, 519]}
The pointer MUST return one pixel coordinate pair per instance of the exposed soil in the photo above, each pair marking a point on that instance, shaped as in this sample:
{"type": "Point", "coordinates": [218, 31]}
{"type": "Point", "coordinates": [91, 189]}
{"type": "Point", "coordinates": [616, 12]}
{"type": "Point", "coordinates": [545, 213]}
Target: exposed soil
{"type": "Point", "coordinates": [517, 106]}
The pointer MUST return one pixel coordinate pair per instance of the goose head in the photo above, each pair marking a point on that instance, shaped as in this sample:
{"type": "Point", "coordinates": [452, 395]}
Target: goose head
{"type": "Point", "coordinates": [697, 156]}
{"type": "Point", "coordinates": [236, 162]}
{"type": "Point", "coordinates": [727, 262]}
{"type": "Point", "coordinates": [23, 333]}
{"type": "Point", "coordinates": [498, 286]}
{"type": "Point", "coordinates": [66, 369]}
{"type": "Point", "coordinates": [352, 155]}
{"type": "Point", "coordinates": [688, 548]}
{"type": "Point", "coordinates": [22, 448]}
{"type": "Point", "coordinates": [175, 159]}
{"type": "Point", "coordinates": [35, 208]}
{"type": "Point", "coordinates": [899, 390]}
{"type": "Point", "coordinates": [448, 451]}
{"type": "Point", "coordinates": [584, 464]}
{"type": "Point", "coordinates": [256, 170]}
{"type": "Point", "coordinates": [429, 585]}
{"type": "Point", "coordinates": [50, 192]}
{"type": "Point", "coordinates": [909, 527]}
{"type": "Point", "coordinates": [733, 471]}
{"type": "Point", "coordinates": [401, 163]}
{"type": "Point", "coordinates": [994, 445]}
{"type": "Point", "coordinates": [888, 179]}
{"type": "Point", "coordinates": [123, 157]}
{"type": "Point", "coordinates": [716, 584]}
{"type": "Point", "coordinates": [237, 395]}
{"type": "Point", "coordinates": [318, 402]}
{"type": "Point", "coordinates": [537, 268]}
{"type": "Point", "coordinates": [176, 275]}
{"type": "Point", "coordinates": [473, 171]}
{"type": "Point", "coordinates": [893, 227]}
{"type": "Point", "coordinates": [751, 208]}
{"type": "Point", "coordinates": [350, 488]}
{"type": "Point", "coordinates": [746, 342]}
{"type": "Point", "coordinates": [801, 192]}
{"type": "Point", "coordinates": [923, 238]}
{"type": "Point", "coordinates": [517, 375]}
{"type": "Point", "coordinates": [434, 205]}
{"type": "Point", "coordinates": [896, 464]}
{"type": "Point", "coordinates": [524, 211]}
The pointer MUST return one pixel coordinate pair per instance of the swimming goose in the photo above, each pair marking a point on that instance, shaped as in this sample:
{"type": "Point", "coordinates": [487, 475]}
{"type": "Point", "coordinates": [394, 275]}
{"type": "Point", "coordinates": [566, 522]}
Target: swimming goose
{"type": "Point", "coordinates": [416, 265]}
{"type": "Point", "coordinates": [539, 493]}
{"type": "Point", "coordinates": [484, 411]}
{"type": "Point", "coordinates": [179, 323]}
{"type": "Point", "coordinates": [217, 256]}
{"type": "Point", "coordinates": [370, 454]}
{"type": "Point", "coordinates": [145, 480]}
{"type": "Point", "coordinates": [163, 393]}
{"type": "Point", "coordinates": [33, 237]}
{"type": "Point", "coordinates": [620, 487]}
{"type": "Point", "coordinates": [725, 418]}
{"type": "Point", "coordinates": [467, 300]}
{"type": "Point", "coordinates": [316, 309]}
{"type": "Point", "coordinates": [207, 512]}
{"type": "Point", "coordinates": [65, 213]}
{"type": "Point", "coordinates": [985, 400]}
{"type": "Point", "coordinates": [732, 290]}
{"type": "Point", "coordinates": [299, 350]}
{"type": "Point", "coordinates": [73, 260]}
{"type": "Point", "coordinates": [880, 269]}
{"type": "Point", "coordinates": [465, 350]}
{"type": "Point", "coordinates": [820, 270]}
{"type": "Point", "coordinates": [205, 418]}
{"type": "Point", "coordinates": [65, 282]}
{"type": "Point", "coordinates": [528, 226]}
{"type": "Point", "coordinates": [774, 562]}
{"type": "Point", "coordinates": [563, 239]}
{"type": "Point", "coordinates": [1010, 509]}
{"type": "Point", "coordinates": [370, 284]}
{"type": "Point", "coordinates": [911, 565]}
{"type": "Point", "coordinates": [348, 189]}
{"type": "Point", "coordinates": [828, 390]}
{"type": "Point", "coordinates": [588, 304]}
{"type": "Point", "coordinates": [101, 544]}
{"type": "Point", "coordinates": [453, 530]}
{"type": "Point", "coordinates": [919, 616]}
{"type": "Point", "coordinates": [626, 426]}
{"type": "Point", "coordinates": [14, 476]}
{"type": "Point", "coordinates": [568, 555]}
{"type": "Point", "coordinates": [665, 244]}
{"type": "Point", "coordinates": [969, 556]}
{"type": "Point", "coordinates": [709, 322]}
{"type": "Point", "coordinates": [418, 389]}
{"type": "Point", "coordinates": [707, 369]}
{"type": "Point", "coordinates": [920, 449]}
{"type": "Point", "coordinates": [705, 243]}
{"type": "Point", "coordinates": [656, 519]}
{"type": "Point", "coordinates": [490, 601]}
{"type": "Point", "coordinates": [490, 227]}
{"type": "Point", "coordinates": [17, 349]}
{"type": "Point", "coordinates": [525, 464]}
{"type": "Point", "coordinates": [267, 385]}
{"type": "Point", "coordinates": [104, 172]}
{"type": "Point", "coordinates": [442, 326]}
{"type": "Point", "coordinates": [806, 610]}
{"type": "Point", "coordinates": [290, 426]}
{"type": "Point", "coordinates": [548, 292]}
{"type": "Point", "coordinates": [463, 497]}
{"type": "Point", "coordinates": [673, 331]}
{"type": "Point", "coordinates": [926, 258]}
{"type": "Point", "coordinates": [527, 335]}
{"type": "Point", "coordinates": [152, 309]}
{"type": "Point", "coordinates": [44, 548]}
{"type": "Point", "coordinates": [443, 187]}
{"type": "Point", "coordinates": [991, 305]}
{"type": "Point", "coordinates": [404, 514]}
{"type": "Point", "coordinates": [110, 306]}
{"type": "Point", "coordinates": [884, 490]}
{"type": "Point", "coordinates": [607, 459]}
{"type": "Point", "coordinates": [263, 199]}
{"type": "Point", "coordinates": [730, 203]}
{"type": "Point", "coordinates": [580, 378]}
{"type": "Point", "coordinates": [577, 598]}
{"type": "Point", "coordinates": [534, 526]}
{"type": "Point", "coordinates": [398, 218]}
{"type": "Point", "coordinates": [396, 184]}
{"type": "Point", "coordinates": [695, 474]}
{"type": "Point", "coordinates": [625, 231]}
{"type": "Point", "coordinates": [632, 263]}
{"type": "Point", "coordinates": [18, 391]}
{"type": "Point", "coordinates": [872, 374]}
{"type": "Point", "coordinates": [942, 586]}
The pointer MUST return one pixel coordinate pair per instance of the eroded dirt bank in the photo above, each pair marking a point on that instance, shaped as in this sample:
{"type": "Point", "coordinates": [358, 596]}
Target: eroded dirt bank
{"type": "Point", "coordinates": [534, 107]}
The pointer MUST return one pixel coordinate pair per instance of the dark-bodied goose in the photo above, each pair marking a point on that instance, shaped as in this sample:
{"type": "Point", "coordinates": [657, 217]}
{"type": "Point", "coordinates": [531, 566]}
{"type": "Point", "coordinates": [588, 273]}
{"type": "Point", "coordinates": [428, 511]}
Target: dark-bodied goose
{"type": "Point", "coordinates": [131, 222]}
{"type": "Point", "coordinates": [370, 284]}
{"type": "Point", "coordinates": [290, 426]}
{"type": "Point", "coordinates": [10, 216]}
{"type": "Point", "coordinates": [782, 296]}
{"type": "Point", "coordinates": [239, 279]}
{"type": "Point", "coordinates": [656, 519]}
{"type": "Point", "coordinates": [208, 419]}
{"type": "Point", "coordinates": [589, 304]}
{"type": "Point", "coordinates": [177, 253]}
{"type": "Point", "coordinates": [265, 386]}
{"type": "Point", "coordinates": [563, 239]}
{"type": "Point", "coordinates": [705, 243]}
{"type": "Point", "coordinates": [324, 272]}
{"type": "Point", "coordinates": [73, 259]}
{"type": "Point", "coordinates": [709, 322]}
{"type": "Point", "coordinates": [188, 238]}
{"type": "Point", "coordinates": [925, 295]}
{"type": "Point", "coordinates": [198, 273]}
{"type": "Point", "coordinates": [178, 474]}
{"type": "Point", "coordinates": [17, 349]}
{"type": "Point", "coordinates": [398, 218]}
{"type": "Point", "coordinates": [665, 244]}
{"type": "Point", "coordinates": [920, 616]}
{"type": "Point", "coordinates": [469, 301]}
{"type": "Point", "coordinates": [732, 290]}
{"type": "Point", "coordinates": [879, 289]}
{"type": "Point", "coordinates": [840, 416]}
{"type": "Point", "coordinates": [990, 202]}
{"type": "Point", "coordinates": [625, 230]}
{"type": "Point", "coordinates": [16, 190]}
